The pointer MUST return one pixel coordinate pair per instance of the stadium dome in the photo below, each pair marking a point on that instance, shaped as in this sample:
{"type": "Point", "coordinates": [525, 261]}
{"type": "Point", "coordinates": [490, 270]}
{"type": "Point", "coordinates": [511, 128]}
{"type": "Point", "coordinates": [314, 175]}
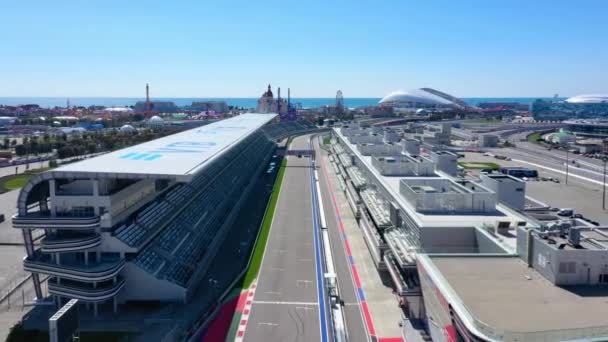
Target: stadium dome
{"type": "Point", "coordinates": [591, 99]}
{"type": "Point", "coordinates": [417, 98]}
{"type": "Point", "coordinates": [127, 129]}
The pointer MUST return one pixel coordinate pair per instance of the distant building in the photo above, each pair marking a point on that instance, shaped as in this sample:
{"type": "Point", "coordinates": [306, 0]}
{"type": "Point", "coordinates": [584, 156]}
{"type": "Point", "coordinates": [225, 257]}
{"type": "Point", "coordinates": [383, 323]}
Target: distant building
{"type": "Point", "coordinates": [511, 191]}
{"type": "Point", "coordinates": [268, 104]}
{"type": "Point", "coordinates": [561, 138]}
{"type": "Point", "coordinates": [587, 127]}
{"type": "Point", "coordinates": [424, 98]}
{"type": "Point", "coordinates": [489, 140]}
{"type": "Point", "coordinates": [207, 106]}
{"type": "Point", "coordinates": [156, 107]}
{"type": "Point", "coordinates": [156, 122]}
{"type": "Point", "coordinates": [379, 111]}
{"type": "Point", "coordinates": [582, 106]}
{"type": "Point", "coordinates": [500, 106]}
{"type": "Point", "coordinates": [6, 120]}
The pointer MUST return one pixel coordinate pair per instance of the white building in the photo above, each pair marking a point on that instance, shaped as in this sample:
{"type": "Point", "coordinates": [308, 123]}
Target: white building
{"type": "Point", "coordinates": [141, 223]}
{"type": "Point", "coordinates": [467, 261]}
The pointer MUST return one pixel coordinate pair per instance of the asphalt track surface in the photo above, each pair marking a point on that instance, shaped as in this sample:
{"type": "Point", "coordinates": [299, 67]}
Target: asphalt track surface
{"type": "Point", "coordinates": [286, 302]}
{"type": "Point", "coordinates": [355, 325]}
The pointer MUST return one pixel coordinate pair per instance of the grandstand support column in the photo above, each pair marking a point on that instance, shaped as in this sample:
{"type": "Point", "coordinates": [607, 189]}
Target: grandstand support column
{"type": "Point", "coordinates": [44, 206]}
{"type": "Point", "coordinates": [86, 258]}
{"type": "Point", "coordinates": [29, 248]}
{"type": "Point", "coordinates": [52, 197]}
{"type": "Point", "coordinates": [115, 302]}
{"type": "Point", "coordinates": [96, 194]}
{"type": "Point", "coordinates": [95, 309]}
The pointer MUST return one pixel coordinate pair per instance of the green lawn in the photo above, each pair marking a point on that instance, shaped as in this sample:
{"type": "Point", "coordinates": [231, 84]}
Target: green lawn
{"type": "Point", "coordinates": [534, 137]}
{"type": "Point", "coordinates": [15, 182]}
{"type": "Point", "coordinates": [258, 252]}
{"type": "Point", "coordinates": [9, 183]}
{"type": "Point", "coordinates": [327, 141]}
{"type": "Point", "coordinates": [479, 165]}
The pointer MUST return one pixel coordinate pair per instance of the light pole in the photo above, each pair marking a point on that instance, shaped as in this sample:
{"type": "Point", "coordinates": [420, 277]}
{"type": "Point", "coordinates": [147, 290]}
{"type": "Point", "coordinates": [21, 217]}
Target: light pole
{"type": "Point", "coordinates": [604, 186]}
{"type": "Point", "coordinates": [567, 164]}
{"type": "Point", "coordinates": [214, 286]}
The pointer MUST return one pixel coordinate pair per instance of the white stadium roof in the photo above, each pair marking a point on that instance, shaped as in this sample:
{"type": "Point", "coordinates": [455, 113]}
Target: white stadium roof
{"type": "Point", "coordinates": [180, 155]}
{"type": "Point", "coordinates": [415, 96]}
{"type": "Point", "coordinates": [590, 98]}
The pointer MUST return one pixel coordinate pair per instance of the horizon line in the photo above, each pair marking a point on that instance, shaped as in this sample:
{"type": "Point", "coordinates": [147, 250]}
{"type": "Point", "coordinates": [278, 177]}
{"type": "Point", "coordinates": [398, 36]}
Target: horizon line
{"type": "Point", "coordinates": [239, 97]}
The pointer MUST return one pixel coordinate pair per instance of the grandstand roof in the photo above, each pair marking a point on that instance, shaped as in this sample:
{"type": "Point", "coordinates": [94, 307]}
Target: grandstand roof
{"type": "Point", "coordinates": [179, 155]}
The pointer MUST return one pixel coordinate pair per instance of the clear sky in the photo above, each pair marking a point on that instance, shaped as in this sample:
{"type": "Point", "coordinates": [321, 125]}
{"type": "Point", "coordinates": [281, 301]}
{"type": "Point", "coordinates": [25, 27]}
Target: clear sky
{"type": "Point", "coordinates": [213, 48]}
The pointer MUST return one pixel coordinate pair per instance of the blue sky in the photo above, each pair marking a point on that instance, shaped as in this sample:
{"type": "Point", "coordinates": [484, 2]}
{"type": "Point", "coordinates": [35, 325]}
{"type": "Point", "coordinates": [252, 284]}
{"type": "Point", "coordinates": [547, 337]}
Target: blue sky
{"type": "Point", "coordinates": [366, 48]}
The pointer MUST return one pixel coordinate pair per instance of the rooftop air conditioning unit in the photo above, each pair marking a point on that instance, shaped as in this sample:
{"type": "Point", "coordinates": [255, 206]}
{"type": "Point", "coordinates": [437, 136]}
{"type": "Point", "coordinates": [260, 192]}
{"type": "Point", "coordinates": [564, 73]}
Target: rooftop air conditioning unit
{"type": "Point", "coordinates": [502, 227]}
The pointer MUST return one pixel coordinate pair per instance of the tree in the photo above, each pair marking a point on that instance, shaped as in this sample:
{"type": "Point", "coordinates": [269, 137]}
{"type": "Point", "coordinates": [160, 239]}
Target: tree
{"type": "Point", "coordinates": [20, 150]}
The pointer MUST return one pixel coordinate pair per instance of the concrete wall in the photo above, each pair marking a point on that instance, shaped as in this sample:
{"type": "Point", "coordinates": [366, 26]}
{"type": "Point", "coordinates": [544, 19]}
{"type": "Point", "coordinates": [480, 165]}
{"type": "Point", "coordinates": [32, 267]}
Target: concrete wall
{"type": "Point", "coordinates": [411, 147]}
{"type": "Point", "coordinates": [400, 165]}
{"type": "Point", "coordinates": [449, 240]}
{"type": "Point", "coordinates": [141, 285]}
{"type": "Point", "coordinates": [379, 149]}
{"type": "Point", "coordinates": [486, 244]}
{"type": "Point", "coordinates": [567, 266]}
{"type": "Point", "coordinates": [512, 192]}
{"type": "Point", "coordinates": [391, 136]}
{"type": "Point", "coordinates": [448, 201]}
{"type": "Point", "coordinates": [446, 162]}
{"type": "Point", "coordinates": [366, 138]}
{"type": "Point", "coordinates": [437, 319]}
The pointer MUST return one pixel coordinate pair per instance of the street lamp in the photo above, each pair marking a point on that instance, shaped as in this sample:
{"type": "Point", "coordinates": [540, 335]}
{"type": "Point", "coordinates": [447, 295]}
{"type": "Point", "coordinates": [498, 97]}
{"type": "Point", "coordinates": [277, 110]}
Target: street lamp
{"type": "Point", "coordinates": [567, 164]}
{"type": "Point", "coordinates": [214, 286]}
{"type": "Point", "coordinates": [604, 185]}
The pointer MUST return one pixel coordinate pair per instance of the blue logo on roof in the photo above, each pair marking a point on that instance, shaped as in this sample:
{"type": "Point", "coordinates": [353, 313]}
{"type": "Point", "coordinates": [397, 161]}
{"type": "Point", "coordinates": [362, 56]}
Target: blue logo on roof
{"type": "Point", "coordinates": [140, 156]}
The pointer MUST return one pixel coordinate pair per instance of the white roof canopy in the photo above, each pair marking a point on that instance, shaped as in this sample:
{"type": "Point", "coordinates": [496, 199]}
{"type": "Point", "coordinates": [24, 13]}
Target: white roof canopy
{"type": "Point", "coordinates": [180, 155]}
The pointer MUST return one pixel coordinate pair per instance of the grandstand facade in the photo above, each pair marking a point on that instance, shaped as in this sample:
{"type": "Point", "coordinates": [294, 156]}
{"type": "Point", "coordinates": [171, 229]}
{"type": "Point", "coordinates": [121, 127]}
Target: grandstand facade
{"type": "Point", "coordinates": [142, 223]}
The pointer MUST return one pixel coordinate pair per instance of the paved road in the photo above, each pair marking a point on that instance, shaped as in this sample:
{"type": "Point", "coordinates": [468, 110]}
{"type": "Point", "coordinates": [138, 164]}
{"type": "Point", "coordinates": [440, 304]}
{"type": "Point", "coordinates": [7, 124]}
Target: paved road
{"type": "Point", "coordinates": [286, 304]}
{"type": "Point", "coordinates": [555, 159]}
{"type": "Point", "coordinates": [354, 318]}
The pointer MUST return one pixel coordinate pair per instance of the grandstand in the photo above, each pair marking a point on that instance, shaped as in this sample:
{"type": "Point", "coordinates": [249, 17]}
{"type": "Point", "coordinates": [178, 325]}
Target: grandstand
{"type": "Point", "coordinates": [284, 129]}
{"type": "Point", "coordinates": [143, 223]}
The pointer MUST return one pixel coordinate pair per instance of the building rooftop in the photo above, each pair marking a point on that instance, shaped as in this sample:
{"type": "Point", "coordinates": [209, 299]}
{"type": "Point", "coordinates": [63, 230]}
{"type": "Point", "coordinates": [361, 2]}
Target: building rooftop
{"type": "Point", "coordinates": [589, 99]}
{"type": "Point", "coordinates": [179, 155]}
{"type": "Point", "coordinates": [504, 178]}
{"type": "Point", "coordinates": [511, 301]}
{"type": "Point", "coordinates": [434, 220]}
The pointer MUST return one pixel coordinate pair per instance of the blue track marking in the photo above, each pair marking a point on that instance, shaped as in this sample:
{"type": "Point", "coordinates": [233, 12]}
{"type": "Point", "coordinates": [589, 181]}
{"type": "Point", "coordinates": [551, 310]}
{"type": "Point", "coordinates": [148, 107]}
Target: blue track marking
{"type": "Point", "coordinates": [361, 294]}
{"type": "Point", "coordinates": [319, 266]}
